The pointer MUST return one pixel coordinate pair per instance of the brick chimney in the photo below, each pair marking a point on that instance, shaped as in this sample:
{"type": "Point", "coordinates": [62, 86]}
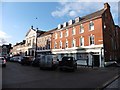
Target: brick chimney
{"type": "Point", "coordinates": [36, 28]}
{"type": "Point", "coordinates": [31, 27]}
{"type": "Point", "coordinates": [106, 6]}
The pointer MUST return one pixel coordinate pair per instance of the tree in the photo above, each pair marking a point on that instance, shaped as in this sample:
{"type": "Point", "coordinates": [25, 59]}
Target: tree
{"type": "Point", "coordinates": [2, 41]}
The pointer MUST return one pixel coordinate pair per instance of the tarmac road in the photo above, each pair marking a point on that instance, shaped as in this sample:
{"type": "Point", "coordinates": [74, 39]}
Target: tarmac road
{"type": "Point", "coordinates": [18, 76]}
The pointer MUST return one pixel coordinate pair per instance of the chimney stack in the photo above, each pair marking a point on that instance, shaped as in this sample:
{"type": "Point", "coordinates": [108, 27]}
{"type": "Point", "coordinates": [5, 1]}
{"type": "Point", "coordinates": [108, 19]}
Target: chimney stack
{"type": "Point", "coordinates": [106, 6]}
{"type": "Point", "coordinates": [31, 27]}
{"type": "Point", "coordinates": [37, 28]}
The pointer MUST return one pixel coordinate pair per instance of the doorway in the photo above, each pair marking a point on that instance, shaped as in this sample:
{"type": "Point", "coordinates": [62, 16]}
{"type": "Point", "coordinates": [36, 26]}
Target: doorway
{"type": "Point", "coordinates": [96, 60]}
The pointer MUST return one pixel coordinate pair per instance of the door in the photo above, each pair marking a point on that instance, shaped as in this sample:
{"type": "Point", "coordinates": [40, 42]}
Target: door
{"type": "Point", "coordinates": [96, 61]}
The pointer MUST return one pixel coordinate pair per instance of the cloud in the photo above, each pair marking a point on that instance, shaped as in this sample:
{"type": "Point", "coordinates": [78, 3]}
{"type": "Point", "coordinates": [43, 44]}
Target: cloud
{"type": "Point", "coordinates": [78, 8]}
{"type": "Point", "coordinates": [4, 36]}
{"type": "Point", "coordinates": [73, 9]}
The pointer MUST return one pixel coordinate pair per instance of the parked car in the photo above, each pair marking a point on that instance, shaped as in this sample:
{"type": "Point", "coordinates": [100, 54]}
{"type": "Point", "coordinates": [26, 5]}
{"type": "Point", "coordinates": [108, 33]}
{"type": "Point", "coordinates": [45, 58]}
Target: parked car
{"type": "Point", "coordinates": [12, 59]}
{"type": "Point", "coordinates": [19, 58]}
{"type": "Point", "coordinates": [68, 63]}
{"type": "Point", "coordinates": [27, 60]}
{"type": "Point", "coordinates": [16, 59]}
{"type": "Point", "coordinates": [35, 62]}
{"type": "Point", "coordinates": [3, 61]}
{"type": "Point", "coordinates": [49, 61]}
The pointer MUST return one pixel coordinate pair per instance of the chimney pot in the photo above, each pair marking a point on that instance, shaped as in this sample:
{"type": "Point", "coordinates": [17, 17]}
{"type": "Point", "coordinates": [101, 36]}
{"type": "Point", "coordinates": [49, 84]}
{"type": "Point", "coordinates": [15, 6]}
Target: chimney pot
{"type": "Point", "coordinates": [31, 27]}
{"type": "Point", "coordinates": [106, 6]}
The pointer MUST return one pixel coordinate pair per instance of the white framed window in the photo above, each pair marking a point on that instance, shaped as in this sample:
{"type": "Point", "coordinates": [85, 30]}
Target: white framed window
{"type": "Point", "coordinates": [60, 34]}
{"type": "Point", "coordinates": [91, 25]}
{"type": "Point", "coordinates": [66, 33]}
{"type": "Point", "coordinates": [81, 28]}
{"type": "Point", "coordinates": [81, 41]}
{"type": "Point", "coordinates": [91, 39]}
{"type": "Point", "coordinates": [73, 43]}
{"type": "Point", "coordinates": [55, 35]}
{"type": "Point", "coordinates": [60, 44]}
{"type": "Point", "coordinates": [55, 45]}
{"type": "Point", "coordinates": [66, 44]}
{"type": "Point", "coordinates": [73, 31]}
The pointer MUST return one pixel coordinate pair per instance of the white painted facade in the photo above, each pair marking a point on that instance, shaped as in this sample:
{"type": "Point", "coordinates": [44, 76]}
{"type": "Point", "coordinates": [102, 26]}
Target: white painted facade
{"type": "Point", "coordinates": [85, 52]}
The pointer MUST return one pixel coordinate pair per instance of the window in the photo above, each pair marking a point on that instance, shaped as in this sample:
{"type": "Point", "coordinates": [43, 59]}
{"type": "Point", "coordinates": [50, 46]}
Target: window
{"type": "Point", "coordinates": [81, 28]}
{"type": "Point", "coordinates": [55, 35]}
{"type": "Point", "coordinates": [91, 25]}
{"type": "Point", "coordinates": [55, 45]}
{"type": "Point", "coordinates": [66, 45]}
{"type": "Point", "coordinates": [73, 43]}
{"type": "Point", "coordinates": [60, 34]}
{"type": "Point", "coordinates": [66, 34]}
{"type": "Point", "coordinates": [60, 44]}
{"type": "Point", "coordinates": [91, 38]}
{"type": "Point", "coordinates": [30, 43]}
{"type": "Point", "coordinates": [33, 42]}
{"type": "Point", "coordinates": [73, 31]}
{"type": "Point", "coordinates": [81, 41]}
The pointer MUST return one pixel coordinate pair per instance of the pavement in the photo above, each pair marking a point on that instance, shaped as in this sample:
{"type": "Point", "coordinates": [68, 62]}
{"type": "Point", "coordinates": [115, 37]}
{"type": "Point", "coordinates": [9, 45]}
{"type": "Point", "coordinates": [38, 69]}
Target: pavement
{"type": "Point", "coordinates": [113, 83]}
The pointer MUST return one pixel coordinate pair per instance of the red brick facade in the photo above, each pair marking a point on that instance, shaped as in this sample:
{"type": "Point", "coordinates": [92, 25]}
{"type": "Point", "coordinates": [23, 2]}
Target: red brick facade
{"type": "Point", "coordinates": [93, 37]}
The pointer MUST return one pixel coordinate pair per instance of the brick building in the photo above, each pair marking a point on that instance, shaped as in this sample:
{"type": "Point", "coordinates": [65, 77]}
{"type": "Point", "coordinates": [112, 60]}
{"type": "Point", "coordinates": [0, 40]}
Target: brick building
{"type": "Point", "coordinates": [18, 48]}
{"type": "Point", "coordinates": [90, 37]}
{"type": "Point", "coordinates": [44, 42]}
{"type": "Point", "coordinates": [93, 38]}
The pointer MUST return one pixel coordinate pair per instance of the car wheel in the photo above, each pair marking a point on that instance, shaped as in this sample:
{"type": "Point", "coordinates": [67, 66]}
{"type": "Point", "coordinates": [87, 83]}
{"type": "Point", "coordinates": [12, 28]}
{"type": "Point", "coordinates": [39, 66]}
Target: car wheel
{"type": "Point", "coordinates": [4, 65]}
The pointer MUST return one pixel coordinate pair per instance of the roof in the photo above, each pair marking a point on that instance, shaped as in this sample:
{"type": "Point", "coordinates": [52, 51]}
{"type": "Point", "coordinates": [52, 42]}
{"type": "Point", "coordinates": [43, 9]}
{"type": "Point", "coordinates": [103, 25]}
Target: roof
{"type": "Point", "coordinates": [20, 43]}
{"type": "Point", "coordinates": [88, 17]}
{"type": "Point", "coordinates": [38, 31]}
{"type": "Point", "coordinates": [48, 32]}
{"type": "Point", "coordinates": [92, 15]}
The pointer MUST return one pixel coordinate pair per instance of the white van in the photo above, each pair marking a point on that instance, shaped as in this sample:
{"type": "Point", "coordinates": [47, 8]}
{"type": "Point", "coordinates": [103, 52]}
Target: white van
{"type": "Point", "coordinates": [49, 61]}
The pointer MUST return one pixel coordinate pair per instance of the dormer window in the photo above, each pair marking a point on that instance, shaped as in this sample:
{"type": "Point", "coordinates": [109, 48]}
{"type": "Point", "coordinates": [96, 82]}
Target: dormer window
{"type": "Point", "coordinates": [77, 19]}
{"type": "Point", "coordinates": [60, 26]}
{"type": "Point", "coordinates": [91, 25]}
{"type": "Point", "coordinates": [70, 22]}
{"type": "Point", "coordinates": [64, 24]}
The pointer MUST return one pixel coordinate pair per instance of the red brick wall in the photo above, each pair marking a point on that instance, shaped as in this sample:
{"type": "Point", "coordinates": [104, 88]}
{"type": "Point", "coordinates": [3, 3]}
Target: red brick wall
{"type": "Point", "coordinates": [108, 35]}
{"type": "Point", "coordinates": [97, 32]}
